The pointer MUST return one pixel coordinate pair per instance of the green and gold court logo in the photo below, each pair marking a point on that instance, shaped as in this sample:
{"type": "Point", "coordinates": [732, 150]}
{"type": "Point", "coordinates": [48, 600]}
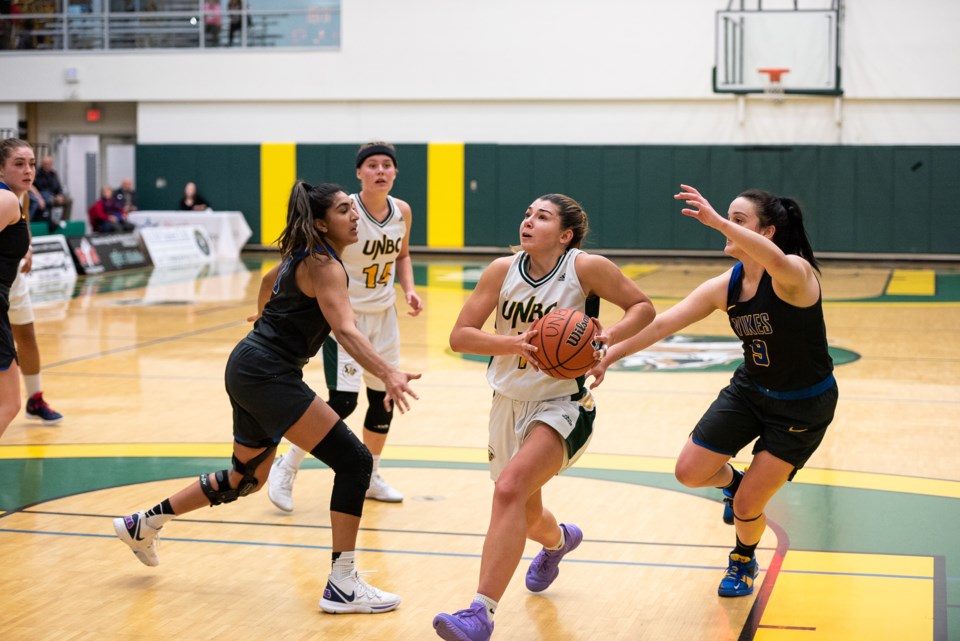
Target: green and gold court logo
{"type": "Point", "coordinates": [683, 353]}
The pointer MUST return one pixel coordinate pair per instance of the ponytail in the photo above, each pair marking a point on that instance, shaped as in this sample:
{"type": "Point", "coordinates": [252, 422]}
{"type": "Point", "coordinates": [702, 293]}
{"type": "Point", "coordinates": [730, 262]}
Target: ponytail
{"type": "Point", "coordinates": [307, 204]}
{"type": "Point", "coordinates": [784, 214]}
{"type": "Point", "coordinates": [796, 241]}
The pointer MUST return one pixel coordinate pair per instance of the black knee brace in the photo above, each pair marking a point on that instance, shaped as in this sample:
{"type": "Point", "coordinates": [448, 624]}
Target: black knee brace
{"type": "Point", "coordinates": [352, 465]}
{"type": "Point", "coordinates": [223, 493]}
{"type": "Point", "coordinates": [343, 403]}
{"type": "Point", "coordinates": [378, 418]}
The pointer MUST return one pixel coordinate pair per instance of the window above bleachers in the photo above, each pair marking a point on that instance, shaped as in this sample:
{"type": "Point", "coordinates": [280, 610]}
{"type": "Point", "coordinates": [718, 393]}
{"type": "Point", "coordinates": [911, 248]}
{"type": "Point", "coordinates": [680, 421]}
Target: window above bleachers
{"type": "Point", "coordinates": [130, 25]}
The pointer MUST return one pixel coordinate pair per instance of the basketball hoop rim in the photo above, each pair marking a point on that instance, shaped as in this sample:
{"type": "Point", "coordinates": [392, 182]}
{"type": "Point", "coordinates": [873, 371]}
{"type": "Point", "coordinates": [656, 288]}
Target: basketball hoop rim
{"type": "Point", "coordinates": [775, 74]}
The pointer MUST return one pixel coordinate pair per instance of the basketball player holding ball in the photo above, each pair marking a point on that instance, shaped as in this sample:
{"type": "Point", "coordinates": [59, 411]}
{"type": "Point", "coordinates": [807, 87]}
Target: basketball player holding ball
{"type": "Point", "coordinates": [539, 425]}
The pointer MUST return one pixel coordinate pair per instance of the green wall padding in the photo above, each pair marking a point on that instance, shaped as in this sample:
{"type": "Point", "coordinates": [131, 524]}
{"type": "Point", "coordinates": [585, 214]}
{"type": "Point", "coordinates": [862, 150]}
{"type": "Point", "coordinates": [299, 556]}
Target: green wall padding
{"type": "Point", "coordinates": [877, 199]}
{"type": "Point", "coordinates": [227, 176]}
{"type": "Point", "coordinates": [867, 199]}
{"type": "Point", "coordinates": [337, 163]}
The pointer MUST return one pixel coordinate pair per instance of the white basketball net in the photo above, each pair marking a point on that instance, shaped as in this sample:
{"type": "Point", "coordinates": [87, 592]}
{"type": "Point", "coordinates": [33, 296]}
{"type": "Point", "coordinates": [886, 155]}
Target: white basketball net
{"type": "Point", "coordinates": [775, 92]}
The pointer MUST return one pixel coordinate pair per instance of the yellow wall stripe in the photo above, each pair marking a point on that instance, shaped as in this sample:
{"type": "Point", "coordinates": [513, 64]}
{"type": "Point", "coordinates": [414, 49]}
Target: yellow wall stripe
{"type": "Point", "coordinates": [278, 171]}
{"type": "Point", "coordinates": [912, 282]}
{"type": "Point", "coordinates": [445, 167]}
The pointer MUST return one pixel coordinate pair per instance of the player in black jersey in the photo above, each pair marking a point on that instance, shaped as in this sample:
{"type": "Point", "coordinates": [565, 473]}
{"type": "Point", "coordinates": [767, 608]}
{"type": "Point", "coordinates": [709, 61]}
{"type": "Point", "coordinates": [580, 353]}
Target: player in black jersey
{"type": "Point", "coordinates": [784, 394]}
{"type": "Point", "coordinates": [264, 380]}
{"type": "Point", "coordinates": [18, 167]}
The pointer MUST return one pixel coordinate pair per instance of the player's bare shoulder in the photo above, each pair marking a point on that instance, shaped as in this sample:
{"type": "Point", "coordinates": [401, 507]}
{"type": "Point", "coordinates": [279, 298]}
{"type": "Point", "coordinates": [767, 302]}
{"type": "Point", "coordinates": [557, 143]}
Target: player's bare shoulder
{"type": "Point", "coordinates": [499, 267]}
{"type": "Point", "coordinates": [594, 269]}
{"type": "Point", "coordinates": [404, 207]}
{"type": "Point", "coordinates": [9, 207]}
{"type": "Point", "coordinates": [319, 269]}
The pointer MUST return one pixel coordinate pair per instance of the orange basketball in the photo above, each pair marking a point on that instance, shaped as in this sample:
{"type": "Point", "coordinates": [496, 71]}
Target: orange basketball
{"type": "Point", "coordinates": [565, 343]}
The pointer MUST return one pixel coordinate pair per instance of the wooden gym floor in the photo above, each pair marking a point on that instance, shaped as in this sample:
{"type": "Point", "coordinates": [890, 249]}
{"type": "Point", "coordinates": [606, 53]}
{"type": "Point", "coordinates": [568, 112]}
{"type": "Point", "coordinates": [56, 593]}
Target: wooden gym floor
{"type": "Point", "coordinates": [865, 544]}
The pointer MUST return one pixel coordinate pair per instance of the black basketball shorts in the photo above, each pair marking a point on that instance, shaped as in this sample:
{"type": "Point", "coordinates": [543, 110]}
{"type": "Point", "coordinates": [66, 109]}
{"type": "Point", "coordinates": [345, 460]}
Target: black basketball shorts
{"type": "Point", "coordinates": [791, 430]}
{"type": "Point", "coordinates": [267, 394]}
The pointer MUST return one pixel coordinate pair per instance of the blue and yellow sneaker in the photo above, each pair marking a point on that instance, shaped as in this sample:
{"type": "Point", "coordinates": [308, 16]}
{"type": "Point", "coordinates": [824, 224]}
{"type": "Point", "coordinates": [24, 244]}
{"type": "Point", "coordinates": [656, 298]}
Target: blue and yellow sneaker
{"type": "Point", "coordinates": [738, 581]}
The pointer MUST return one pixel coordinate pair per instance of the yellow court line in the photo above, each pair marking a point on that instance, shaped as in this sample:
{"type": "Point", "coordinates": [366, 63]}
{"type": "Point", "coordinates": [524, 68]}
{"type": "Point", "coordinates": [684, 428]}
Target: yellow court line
{"type": "Point", "coordinates": [663, 465]}
{"type": "Point", "coordinates": [855, 597]}
{"type": "Point", "coordinates": [856, 563]}
{"type": "Point", "coordinates": [912, 282]}
{"type": "Point", "coordinates": [880, 482]}
{"type": "Point", "coordinates": [657, 300]}
{"type": "Point", "coordinates": [117, 450]}
{"type": "Point", "coordinates": [637, 270]}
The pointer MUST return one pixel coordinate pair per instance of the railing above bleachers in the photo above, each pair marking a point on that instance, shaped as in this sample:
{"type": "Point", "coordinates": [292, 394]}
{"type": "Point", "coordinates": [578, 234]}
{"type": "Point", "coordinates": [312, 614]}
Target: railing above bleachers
{"type": "Point", "coordinates": [70, 25]}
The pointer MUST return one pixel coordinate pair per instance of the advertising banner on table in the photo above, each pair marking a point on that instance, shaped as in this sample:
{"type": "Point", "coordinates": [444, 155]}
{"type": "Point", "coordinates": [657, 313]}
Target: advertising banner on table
{"type": "Point", "coordinates": [51, 260]}
{"type": "Point", "coordinates": [170, 246]}
{"type": "Point", "coordinates": [100, 253]}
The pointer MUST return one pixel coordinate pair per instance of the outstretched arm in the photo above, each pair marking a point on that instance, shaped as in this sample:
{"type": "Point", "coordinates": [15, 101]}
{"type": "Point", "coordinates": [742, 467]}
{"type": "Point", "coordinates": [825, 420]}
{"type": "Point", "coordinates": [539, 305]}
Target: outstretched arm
{"type": "Point", "coordinates": [700, 303]}
{"type": "Point", "coordinates": [792, 275]}
{"type": "Point", "coordinates": [325, 279]}
{"type": "Point", "coordinates": [598, 275]}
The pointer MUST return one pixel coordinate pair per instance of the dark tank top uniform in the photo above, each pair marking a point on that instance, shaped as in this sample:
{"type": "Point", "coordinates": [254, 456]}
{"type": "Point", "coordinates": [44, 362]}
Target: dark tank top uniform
{"type": "Point", "coordinates": [14, 243]}
{"type": "Point", "coordinates": [783, 394]}
{"type": "Point", "coordinates": [264, 376]}
{"type": "Point", "coordinates": [784, 347]}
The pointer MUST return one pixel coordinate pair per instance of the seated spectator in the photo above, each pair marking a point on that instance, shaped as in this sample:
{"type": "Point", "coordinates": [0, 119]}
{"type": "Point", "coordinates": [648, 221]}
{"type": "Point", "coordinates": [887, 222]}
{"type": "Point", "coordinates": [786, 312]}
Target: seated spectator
{"type": "Point", "coordinates": [126, 196]}
{"type": "Point", "coordinates": [107, 215]}
{"type": "Point", "coordinates": [192, 201]}
{"type": "Point", "coordinates": [49, 189]}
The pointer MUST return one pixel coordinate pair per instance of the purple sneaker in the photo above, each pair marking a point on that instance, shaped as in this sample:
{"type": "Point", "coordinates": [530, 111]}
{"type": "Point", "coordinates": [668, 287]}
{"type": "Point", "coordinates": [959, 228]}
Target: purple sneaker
{"type": "Point", "coordinates": [546, 566]}
{"type": "Point", "coordinates": [471, 624]}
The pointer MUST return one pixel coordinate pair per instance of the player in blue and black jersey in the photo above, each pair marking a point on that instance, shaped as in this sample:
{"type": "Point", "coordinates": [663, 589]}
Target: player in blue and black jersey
{"type": "Point", "coordinates": [784, 395]}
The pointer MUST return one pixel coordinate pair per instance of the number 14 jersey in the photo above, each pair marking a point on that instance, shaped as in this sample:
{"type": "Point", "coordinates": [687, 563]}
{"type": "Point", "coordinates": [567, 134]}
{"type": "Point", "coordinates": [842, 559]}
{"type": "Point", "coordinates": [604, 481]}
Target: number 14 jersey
{"type": "Point", "coordinates": [371, 261]}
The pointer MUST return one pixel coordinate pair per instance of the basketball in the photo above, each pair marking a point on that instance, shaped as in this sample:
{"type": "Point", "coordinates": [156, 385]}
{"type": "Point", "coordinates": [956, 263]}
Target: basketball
{"type": "Point", "coordinates": [565, 343]}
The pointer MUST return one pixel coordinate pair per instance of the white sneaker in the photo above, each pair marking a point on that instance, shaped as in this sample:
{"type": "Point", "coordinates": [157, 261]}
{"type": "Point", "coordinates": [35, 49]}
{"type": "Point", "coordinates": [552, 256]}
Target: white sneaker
{"type": "Point", "coordinates": [354, 595]}
{"type": "Point", "coordinates": [380, 490]}
{"type": "Point", "coordinates": [280, 485]}
{"type": "Point", "coordinates": [142, 539]}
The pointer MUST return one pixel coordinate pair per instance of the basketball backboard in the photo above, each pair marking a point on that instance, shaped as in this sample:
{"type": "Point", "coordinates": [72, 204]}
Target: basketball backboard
{"type": "Point", "coordinates": [804, 41]}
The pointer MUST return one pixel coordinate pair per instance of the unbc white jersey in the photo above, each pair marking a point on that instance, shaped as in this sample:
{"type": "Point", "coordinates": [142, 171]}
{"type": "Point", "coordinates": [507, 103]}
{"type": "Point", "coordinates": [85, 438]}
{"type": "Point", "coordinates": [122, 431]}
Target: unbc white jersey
{"type": "Point", "coordinates": [371, 261]}
{"type": "Point", "coordinates": [522, 301]}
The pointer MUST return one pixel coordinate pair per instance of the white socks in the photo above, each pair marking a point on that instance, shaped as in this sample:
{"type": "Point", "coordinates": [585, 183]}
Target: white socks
{"type": "Point", "coordinates": [344, 565]}
{"type": "Point", "coordinates": [294, 457]}
{"type": "Point", "coordinates": [559, 546]}
{"type": "Point", "coordinates": [32, 383]}
{"type": "Point", "coordinates": [488, 603]}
